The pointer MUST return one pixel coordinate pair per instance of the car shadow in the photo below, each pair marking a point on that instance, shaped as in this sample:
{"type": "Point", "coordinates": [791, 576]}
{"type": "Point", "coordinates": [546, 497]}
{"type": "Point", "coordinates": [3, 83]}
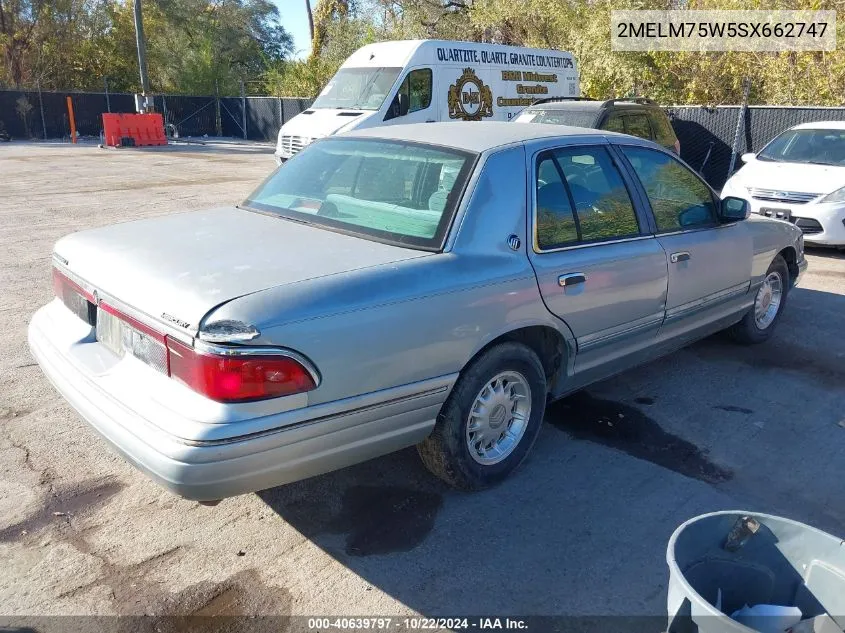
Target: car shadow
{"type": "Point", "coordinates": [551, 540]}
{"type": "Point", "coordinates": [580, 529]}
{"type": "Point", "coordinates": [827, 253]}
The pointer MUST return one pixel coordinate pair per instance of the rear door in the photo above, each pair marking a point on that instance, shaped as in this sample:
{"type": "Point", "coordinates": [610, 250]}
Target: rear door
{"type": "Point", "coordinates": [598, 267]}
{"type": "Point", "coordinates": [709, 263]}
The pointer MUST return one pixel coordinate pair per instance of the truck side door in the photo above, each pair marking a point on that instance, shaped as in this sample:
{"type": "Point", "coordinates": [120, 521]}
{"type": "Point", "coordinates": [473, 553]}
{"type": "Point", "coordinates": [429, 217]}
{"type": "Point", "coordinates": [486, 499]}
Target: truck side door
{"type": "Point", "coordinates": [598, 267]}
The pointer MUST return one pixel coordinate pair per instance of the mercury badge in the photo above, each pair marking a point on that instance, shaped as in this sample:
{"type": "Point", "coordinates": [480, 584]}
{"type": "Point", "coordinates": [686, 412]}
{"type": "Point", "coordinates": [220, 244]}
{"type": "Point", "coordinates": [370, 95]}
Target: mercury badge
{"type": "Point", "coordinates": [469, 98]}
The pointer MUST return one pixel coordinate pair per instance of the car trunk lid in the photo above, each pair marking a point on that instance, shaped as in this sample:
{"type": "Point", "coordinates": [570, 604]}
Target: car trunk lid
{"type": "Point", "coordinates": [177, 268]}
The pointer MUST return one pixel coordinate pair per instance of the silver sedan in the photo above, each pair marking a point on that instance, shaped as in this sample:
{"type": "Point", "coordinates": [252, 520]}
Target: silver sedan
{"type": "Point", "coordinates": [432, 285]}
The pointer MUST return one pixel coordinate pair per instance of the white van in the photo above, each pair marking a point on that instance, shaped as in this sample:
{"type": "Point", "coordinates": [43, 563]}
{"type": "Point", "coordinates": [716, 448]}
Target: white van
{"type": "Point", "coordinates": [413, 81]}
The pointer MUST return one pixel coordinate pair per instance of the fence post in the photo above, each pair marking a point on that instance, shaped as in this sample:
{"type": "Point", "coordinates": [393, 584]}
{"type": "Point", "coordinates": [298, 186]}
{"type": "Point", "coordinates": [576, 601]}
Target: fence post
{"type": "Point", "coordinates": [740, 118]}
{"type": "Point", "coordinates": [218, 122]}
{"type": "Point", "coordinates": [71, 119]}
{"type": "Point", "coordinates": [106, 86]}
{"type": "Point", "coordinates": [163, 110]}
{"type": "Point", "coordinates": [243, 108]}
{"type": "Point", "coordinates": [41, 105]}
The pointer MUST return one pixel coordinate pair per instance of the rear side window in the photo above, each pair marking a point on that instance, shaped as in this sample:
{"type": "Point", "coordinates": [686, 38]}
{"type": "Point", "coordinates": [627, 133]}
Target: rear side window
{"type": "Point", "coordinates": [663, 132]}
{"type": "Point", "coordinates": [637, 125]}
{"type": "Point", "coordinates": [581, 197]}
{"type": "Point", "coordinates": [614, 124]}
{"type": "Point", "coordinates": [679, 199]}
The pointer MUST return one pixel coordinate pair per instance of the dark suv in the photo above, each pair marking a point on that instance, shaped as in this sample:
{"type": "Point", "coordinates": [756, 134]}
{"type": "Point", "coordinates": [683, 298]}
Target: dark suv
{"type": "Point", "coordinates": [636, 116]}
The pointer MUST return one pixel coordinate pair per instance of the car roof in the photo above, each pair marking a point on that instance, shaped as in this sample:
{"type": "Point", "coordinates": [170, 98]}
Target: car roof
{"type": "Point", "coordinates": [821, 125]}
{"type": "Point", "coordinates": [477, 136]}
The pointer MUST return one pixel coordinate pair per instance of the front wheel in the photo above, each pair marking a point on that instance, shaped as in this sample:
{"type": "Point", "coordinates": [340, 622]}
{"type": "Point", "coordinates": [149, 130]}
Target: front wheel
{"type": "Point", "coordinates": [491, 419]}
{"type": "Point", "coordinates": [759, 323]}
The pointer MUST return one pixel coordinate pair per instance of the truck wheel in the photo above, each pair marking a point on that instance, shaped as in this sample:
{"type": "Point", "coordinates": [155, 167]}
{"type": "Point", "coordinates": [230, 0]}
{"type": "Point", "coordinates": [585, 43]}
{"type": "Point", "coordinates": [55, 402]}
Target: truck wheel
{"type": "Point", "coordinates": [491, 419]}
{"type": "Point", "coordinates": [759, 323]}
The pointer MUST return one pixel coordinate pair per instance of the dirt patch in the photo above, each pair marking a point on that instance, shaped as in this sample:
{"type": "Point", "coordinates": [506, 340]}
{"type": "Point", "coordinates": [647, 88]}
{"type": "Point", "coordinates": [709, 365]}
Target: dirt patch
{"type": "Point", "coordinates": [627, 429]}
{"type": "Point", "coordinates": [60, 506]}
{"type": "Point", "coordinates": [242, 603]}
{"type": "Point", "coordinates": [383, 520]}
{"type": "Point", "coordinates": [8, 413]}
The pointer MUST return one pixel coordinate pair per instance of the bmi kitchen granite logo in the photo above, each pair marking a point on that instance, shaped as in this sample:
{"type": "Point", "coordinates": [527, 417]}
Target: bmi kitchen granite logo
{"type": "Point", "coordinates": [470, 99]}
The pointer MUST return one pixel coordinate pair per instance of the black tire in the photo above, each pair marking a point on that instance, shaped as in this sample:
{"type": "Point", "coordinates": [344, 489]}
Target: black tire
{"type": "Point", "coordinates": [747, 331]}
{"type": "Point", "coordinates": [445, 452]}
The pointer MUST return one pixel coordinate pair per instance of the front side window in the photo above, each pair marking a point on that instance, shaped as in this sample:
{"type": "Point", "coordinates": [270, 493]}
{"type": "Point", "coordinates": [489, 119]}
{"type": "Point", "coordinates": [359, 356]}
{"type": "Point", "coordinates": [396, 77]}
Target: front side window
{"type": "Point", "coordinates": [390, 191]}
{"type": "Point", "coordinates": [679, 199]}
{"type": "Point", "coordinates": [581, 197]}
{"type": "Point", "coordinates": [416, 88]}
{"type": "Point", "coordinates": [814, 146]}
{"type": "Point", "coordinates": [357, 89]}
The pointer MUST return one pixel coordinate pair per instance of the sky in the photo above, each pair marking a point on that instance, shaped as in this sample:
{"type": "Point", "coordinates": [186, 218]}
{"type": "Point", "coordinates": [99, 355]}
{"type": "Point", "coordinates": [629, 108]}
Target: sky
{"type": "Point", "coordinates": [295, 20]}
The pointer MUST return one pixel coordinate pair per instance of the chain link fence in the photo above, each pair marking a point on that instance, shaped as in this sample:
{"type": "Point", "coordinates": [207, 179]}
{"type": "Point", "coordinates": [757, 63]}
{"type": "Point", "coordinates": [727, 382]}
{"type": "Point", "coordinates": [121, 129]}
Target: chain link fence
{"type": "Point", "coordinates": [35, 114]}
{"type": "Point", "coordinates": [707, 134]}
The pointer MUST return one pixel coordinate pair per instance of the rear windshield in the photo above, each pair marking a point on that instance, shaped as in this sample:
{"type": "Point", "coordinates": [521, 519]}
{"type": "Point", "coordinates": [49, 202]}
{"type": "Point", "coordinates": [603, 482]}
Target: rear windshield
{"type": "Point", "coordinates": [390, 191]}
{"type": "Point", "coordinates": [578, 118]}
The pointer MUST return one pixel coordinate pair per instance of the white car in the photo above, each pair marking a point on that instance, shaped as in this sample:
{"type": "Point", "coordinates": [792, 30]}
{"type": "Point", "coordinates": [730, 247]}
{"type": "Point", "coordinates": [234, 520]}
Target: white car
{"type": "Point", "coordinates": [799, 177]}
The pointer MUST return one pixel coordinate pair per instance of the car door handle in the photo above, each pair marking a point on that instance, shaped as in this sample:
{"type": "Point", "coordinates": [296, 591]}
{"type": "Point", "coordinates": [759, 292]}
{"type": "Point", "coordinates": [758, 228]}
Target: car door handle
{"type": "Point", "coordinates": [431, 121]}
{"type": "Point", "coordinates": [681, 256]}
{"type": "Point", "coordinates": [571, 279]}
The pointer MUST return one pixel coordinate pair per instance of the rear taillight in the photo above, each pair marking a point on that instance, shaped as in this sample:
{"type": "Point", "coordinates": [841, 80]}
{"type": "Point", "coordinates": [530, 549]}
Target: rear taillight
{"type": "Point", "coordinates": [224, 374]}
{"type": "Point", "coordinates": [75, 297]}
{"type": "Point", "coordinates": [237, 378]}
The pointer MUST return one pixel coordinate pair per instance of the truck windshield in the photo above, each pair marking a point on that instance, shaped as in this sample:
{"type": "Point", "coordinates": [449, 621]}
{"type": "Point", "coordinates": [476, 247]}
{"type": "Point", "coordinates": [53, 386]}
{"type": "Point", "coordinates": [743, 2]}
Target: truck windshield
{"type": "Point", "coordinates": [357, 88]}
{"type": "Point", "coordinates": [390, 191]}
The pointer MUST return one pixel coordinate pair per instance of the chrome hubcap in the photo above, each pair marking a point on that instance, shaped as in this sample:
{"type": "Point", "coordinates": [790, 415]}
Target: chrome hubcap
{"type": "Point", "coordinates": [498, 418]}
{"type": "Point", "coordinates": [767, 302]}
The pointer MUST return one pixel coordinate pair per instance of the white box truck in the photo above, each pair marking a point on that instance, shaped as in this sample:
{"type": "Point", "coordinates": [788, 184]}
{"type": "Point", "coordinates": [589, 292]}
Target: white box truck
{"type": "Point", "coordinates": [414, 81]}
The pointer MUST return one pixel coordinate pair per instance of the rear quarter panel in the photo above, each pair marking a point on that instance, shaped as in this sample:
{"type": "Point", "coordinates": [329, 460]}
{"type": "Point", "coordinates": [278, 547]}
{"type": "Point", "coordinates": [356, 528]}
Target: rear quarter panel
{"type": "Point", "coordinates": [397, 324]}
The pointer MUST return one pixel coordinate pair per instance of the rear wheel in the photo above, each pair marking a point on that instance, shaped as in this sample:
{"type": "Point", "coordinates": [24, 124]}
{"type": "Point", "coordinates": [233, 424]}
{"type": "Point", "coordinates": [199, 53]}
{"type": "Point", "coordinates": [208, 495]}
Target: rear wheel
{"type": "Point", "coordinates": [759, 323]}
{"type": "Point", "coordinates": [491, 419]}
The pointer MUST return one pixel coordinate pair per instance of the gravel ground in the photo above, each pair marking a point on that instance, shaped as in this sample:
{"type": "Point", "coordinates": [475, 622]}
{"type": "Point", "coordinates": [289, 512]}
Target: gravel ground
{"type": "Point", "coordinates": [581, 529]}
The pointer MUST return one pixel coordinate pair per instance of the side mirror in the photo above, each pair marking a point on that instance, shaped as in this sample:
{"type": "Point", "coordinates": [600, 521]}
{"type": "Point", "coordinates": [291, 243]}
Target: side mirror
{"type": "Point", "coordinates": [733, 209]}
{"type": "Point", "coordinates": [404, 103]}
{"type": "Point", "coordinates": [747, 158]}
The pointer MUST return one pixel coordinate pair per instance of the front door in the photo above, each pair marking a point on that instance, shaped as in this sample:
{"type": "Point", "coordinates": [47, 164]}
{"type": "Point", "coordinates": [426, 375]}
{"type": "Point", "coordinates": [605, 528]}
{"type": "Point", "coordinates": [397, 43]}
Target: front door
{"type": "Point", "coordinates": [709, 263]}
{"type": "Point", "coordinates": [598, 268]}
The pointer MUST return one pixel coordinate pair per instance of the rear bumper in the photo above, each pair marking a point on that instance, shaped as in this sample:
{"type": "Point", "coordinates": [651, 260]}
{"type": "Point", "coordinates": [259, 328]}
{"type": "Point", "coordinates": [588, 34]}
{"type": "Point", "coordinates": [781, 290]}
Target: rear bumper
{"type": "Point", "coordinates": [214, 469]}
